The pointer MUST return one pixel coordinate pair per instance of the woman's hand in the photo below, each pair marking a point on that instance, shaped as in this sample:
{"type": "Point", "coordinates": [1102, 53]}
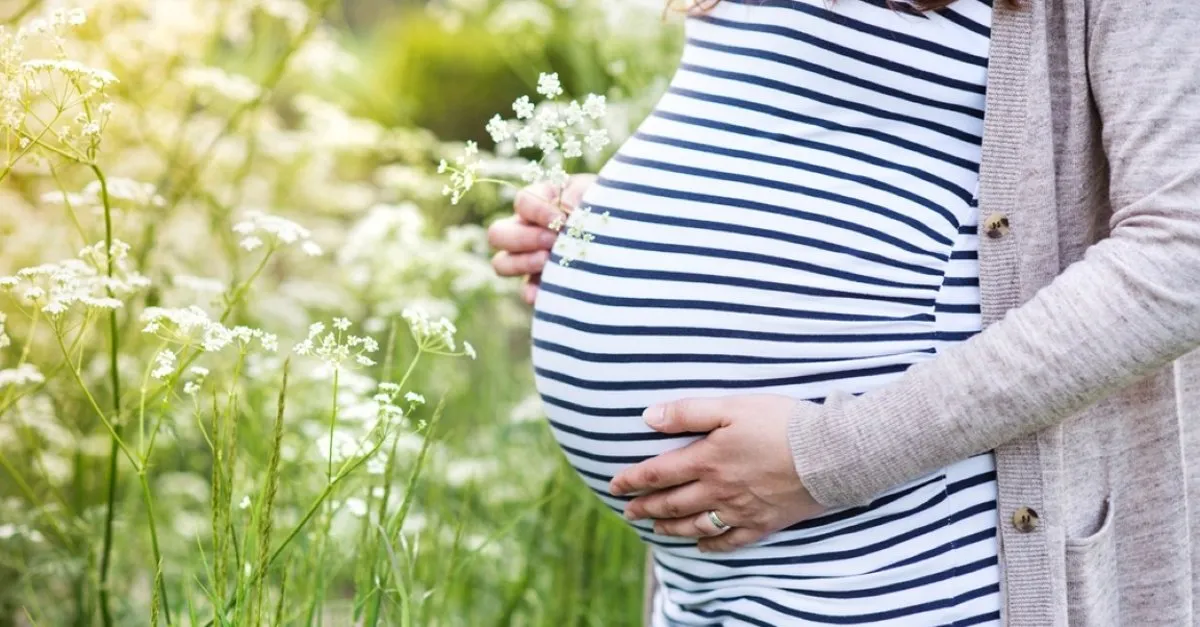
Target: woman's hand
{"type": "Point", "coordinates": [742, 470]}
{"type": "Point", "coordinates": [525, 238]}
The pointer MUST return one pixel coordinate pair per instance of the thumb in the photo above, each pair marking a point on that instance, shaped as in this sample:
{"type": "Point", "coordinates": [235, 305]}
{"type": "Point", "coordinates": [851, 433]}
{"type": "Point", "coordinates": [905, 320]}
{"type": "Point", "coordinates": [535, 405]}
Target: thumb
{"type": "Point", "coordinates": [692, 415]}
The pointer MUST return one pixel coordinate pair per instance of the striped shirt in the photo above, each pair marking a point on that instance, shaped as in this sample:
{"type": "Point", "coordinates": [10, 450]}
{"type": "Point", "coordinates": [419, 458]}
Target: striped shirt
{"type": "Point", "coordinates": [796, 216]}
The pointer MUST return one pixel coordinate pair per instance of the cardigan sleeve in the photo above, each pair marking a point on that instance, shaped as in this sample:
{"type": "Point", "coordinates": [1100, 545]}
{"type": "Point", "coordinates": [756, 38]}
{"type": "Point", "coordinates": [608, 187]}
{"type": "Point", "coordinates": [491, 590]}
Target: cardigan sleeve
{"type": "Point", "coordinates": [1128, 307]}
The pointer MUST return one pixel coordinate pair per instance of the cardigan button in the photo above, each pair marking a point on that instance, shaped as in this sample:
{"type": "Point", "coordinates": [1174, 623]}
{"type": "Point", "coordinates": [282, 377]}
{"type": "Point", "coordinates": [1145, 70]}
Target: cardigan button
{"type": "Point", "coordinates": [996, 225]}
{"type": "Point", "coordinates": [1025, 519]}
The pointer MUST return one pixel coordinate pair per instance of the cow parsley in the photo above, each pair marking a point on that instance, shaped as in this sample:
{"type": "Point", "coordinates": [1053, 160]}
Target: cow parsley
{"type": "Point", "coordinates": [558, 131]}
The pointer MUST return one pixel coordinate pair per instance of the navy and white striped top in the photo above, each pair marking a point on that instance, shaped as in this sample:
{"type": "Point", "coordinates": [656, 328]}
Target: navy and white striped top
{"type": "Point", "coordinates": [797, 216]}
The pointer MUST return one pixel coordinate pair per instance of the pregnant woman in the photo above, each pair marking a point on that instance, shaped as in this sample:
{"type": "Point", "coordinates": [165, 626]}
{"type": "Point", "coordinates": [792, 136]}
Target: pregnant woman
{"type": "Point", "coordinates": [890, 321]}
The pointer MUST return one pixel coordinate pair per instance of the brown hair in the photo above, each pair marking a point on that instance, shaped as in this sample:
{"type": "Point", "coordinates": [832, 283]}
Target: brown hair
{"type": "Point", "coordinates": [703, 6]}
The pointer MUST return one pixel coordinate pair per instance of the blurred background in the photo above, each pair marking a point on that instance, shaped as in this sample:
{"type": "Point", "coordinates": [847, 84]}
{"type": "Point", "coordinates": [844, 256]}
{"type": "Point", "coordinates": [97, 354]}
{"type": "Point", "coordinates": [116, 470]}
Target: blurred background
{"type": "Point", "coordinates": [234, 120]}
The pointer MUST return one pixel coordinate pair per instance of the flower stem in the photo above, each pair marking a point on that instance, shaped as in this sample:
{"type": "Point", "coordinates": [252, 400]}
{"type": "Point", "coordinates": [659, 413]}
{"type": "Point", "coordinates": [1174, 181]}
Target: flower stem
{"type": "Point", "coordinates": [115, 379]}
{"type": "Point", "coordinates": [158, 560]}
{"type": "Point", "coordinates": [332, 425]}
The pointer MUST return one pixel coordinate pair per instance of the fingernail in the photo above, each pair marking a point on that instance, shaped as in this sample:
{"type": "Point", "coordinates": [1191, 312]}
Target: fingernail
{"type": "Point", "coordinates": [654, 415]}
{"type": "Point", "coordinates": [630, 516]}
{"type": "Point", "coordinates": [547, 239]}
{"type": "Point", "coordinates": [614, 490]}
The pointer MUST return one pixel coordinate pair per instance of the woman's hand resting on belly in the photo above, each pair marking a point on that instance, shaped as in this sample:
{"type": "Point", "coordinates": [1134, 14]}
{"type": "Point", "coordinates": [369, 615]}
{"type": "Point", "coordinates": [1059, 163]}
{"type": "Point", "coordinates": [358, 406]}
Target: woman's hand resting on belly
{"type": "Point", "coordinates": [742, 470]}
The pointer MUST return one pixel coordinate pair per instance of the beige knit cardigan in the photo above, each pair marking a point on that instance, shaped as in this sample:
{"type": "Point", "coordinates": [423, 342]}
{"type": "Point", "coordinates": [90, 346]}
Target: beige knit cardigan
{"type": "Point", "coordinates": [1082, 381]}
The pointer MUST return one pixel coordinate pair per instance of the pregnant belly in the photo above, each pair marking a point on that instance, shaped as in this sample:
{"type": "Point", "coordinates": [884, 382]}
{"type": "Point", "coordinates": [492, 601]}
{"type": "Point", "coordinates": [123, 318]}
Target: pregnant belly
{"type": "Point", "coordinates": [625, 328]}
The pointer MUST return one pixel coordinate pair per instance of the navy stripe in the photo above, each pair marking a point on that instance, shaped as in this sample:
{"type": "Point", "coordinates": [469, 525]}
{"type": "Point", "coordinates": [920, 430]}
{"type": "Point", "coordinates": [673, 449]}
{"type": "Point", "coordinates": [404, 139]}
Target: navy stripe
{"type": "Point", "coordinates": [709, 199]}
{"type": "Point", "coordinates": [782, 236]}
{"type": "Point", "coordinates": [730, 384]}
{"type": "Point", "coordinates": [796, 90]}
{"type": "Point", "coordinates": [739, 255]}
{"type": "Point", "coordinates": [849, 79]}
{"type": "Point", "coordinates": [875, 60]}
{"type": "Point", "coordinates": [668, 303]}
{"type": "Point", "coordinates": [822, 123]}
{"type": "Point", "coordinates": [742, 334]}
{"type": "Point", "coordinates": [713, 279]}
{"type": "Point", "coordinates": [870, 29]}
{"type": "Point", "coordinates": [782, 138]}
{"type": "Point", "coordinates": [809, 167]}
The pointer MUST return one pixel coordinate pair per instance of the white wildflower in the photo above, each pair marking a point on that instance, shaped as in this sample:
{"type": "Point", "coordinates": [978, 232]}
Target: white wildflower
{"type": "Point", "coordinates": [549, 86]}
{"type": "Point", "coordinates": [245, 503]}
{"type": "Point", "coordinates": [498, 129]}
{"type": "Point", "coordinates": [523, 108]}
{"type": "Point", "coordinates": [414, 398]}
{"type": "Point", "coordinates": [596, 139]}
{"type": "Point", "coordinates": [164, 364]}
{"type": "Point", "coordinates": [356, 506]}
{"type": "Point", "coordinates": [251, 243]}
{"type": "Point", "coordinates": [595, 106]}
{"type": "Point", "coordinates": [25, 374]}
{"type": "Point", "coordinates": [572, 148]}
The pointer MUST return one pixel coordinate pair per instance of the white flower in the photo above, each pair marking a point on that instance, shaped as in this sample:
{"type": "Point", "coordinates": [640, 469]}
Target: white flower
{"type": "Point", "coordinates": [469, 350]}
{"type": "Point", "coordinates": [572, 148]}
{"type": "Point", "coordinates": [549, 86]}
{"type": "Point", "coordinates": [356, 506]}
{"type": "Point", "coordinates": [595, 106]}
{"type": "Point", "coordinates": [596, 139]}
{"type": "Point", "coordinates": [548, 142]}
{"type": "Point", "coordinates": [251, 243]}
{"type": "Point", "coordinates": [414, 398]}
{"type": "Point", "coordinates": [341, 324]}
{"type": "Point", "coordinates": [24, 374]}
{"type": "Point", "coordinates": [526, 137]}
{"type": "Point", "coordinates": [191, 388]}
{"type": "Point", "coordinates": [245, 503]}
{"type": "Point", "coordinates": [557, 177]}
{"type": "Point", "coordinates": [532, 172]}
{"type": "Point", "coordinates": [523, 108]}
{"type": "Point", "coordinates": [164, 364]}
{"type": "Point", "coordinates": [311, 249]}
{"type": "Point", "coordinates": [498, 129]}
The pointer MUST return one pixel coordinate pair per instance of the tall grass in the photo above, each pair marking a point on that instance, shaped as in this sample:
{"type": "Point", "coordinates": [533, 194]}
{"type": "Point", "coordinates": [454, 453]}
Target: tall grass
{"type": "Point", "coordinates": [179, 444]}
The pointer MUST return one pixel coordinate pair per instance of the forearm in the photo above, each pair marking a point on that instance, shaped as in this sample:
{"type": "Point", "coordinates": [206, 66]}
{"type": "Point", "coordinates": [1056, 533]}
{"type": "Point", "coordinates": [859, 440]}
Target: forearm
{"type": "Point", "coordinates": [1124, 311]}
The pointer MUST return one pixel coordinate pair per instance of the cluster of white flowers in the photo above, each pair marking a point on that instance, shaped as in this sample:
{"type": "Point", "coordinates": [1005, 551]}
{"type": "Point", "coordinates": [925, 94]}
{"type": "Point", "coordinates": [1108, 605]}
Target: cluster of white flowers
{"type": "Point", "coordinates": [435, 335]}
{"type": "Point", "coordinates": [25, 374]}
{"type": "Point", "coordinates": [258, 225]}
{"type": "Point", "coordinates": [63, 83]}
{"type": "Point", "coordinates": [192, 387]}
{"type": "Point", "coordinates": [121, 192]}
{"type": "Point", "coordinates": [337, 346]}
{"type": "Point", "coordinates": [56, 287]}
{"type": "Point", "coordinates": [192, 326]}
{"type": "Point", "coordinates": [5, 341]}
{"type": "Point", "coordinates": [9, 531]}
{"type": "Point", "coordinates": [214, 83]}
{"type": "Point", "coordinates": [559, 131]}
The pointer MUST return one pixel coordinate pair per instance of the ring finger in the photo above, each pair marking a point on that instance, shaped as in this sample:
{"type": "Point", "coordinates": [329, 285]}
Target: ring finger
{"type": "Point", "coordinates": [696, 526]}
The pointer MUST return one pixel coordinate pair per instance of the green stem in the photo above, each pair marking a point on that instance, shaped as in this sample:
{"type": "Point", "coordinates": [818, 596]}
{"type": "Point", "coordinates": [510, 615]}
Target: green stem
{"type": "Point", "coordinates": [332, 425]}
{"type": "Point", "coordinates": [166, 603]}
{"type": "Point", "coordinates": [115, 377]}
